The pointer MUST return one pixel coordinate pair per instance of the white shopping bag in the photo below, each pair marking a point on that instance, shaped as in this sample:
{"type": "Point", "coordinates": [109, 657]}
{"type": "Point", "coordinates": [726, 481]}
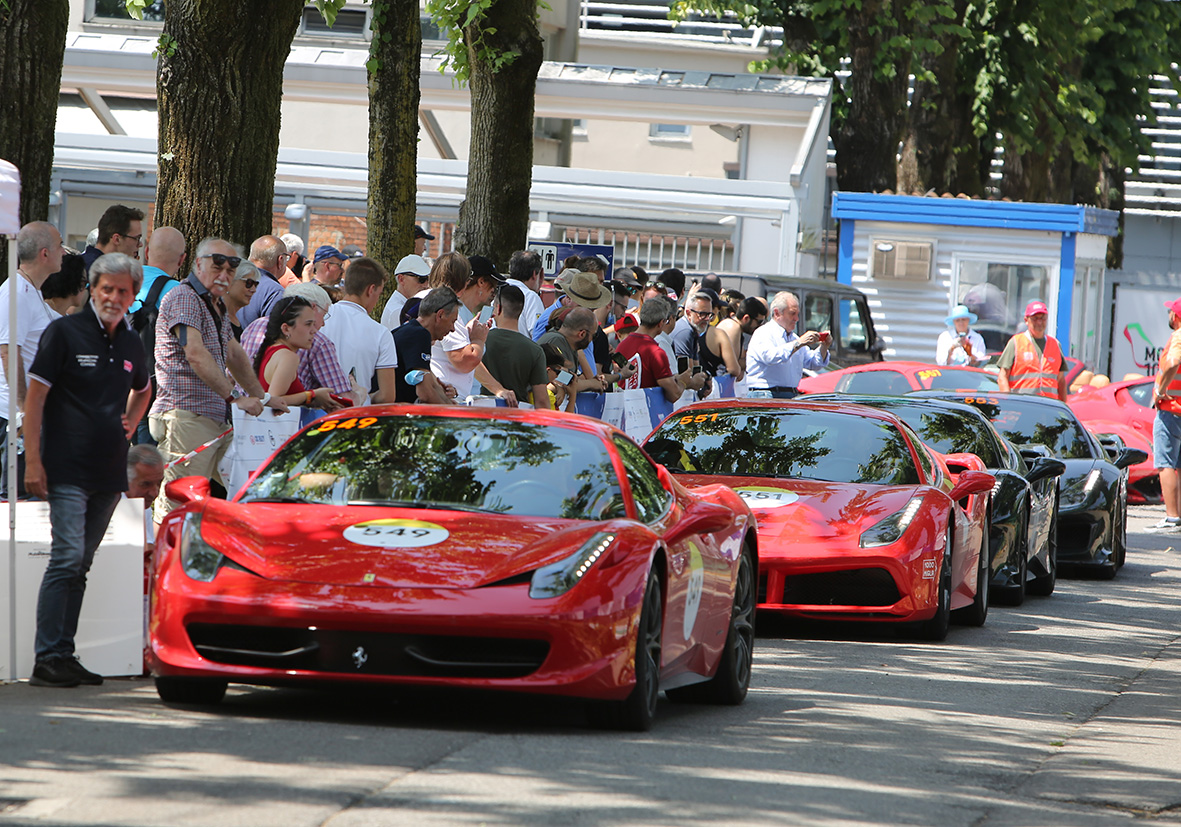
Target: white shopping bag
{"type": "Point", "coordinates": [255, 439]}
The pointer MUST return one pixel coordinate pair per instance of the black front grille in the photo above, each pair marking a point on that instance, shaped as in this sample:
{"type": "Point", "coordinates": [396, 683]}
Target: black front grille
{"type": "Point", "coordinates": [855, 587]}
{"type": "Point", "coordinates": [367, 653]}
{"type": "Point", "coordinates": [1076, 537]}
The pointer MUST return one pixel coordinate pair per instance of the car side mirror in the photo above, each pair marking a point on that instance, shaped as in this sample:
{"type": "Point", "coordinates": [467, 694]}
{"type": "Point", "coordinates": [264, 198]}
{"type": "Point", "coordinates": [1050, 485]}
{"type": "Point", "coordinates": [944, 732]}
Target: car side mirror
{"type": "Point", "coordinates": [972, 482]}
{"type": "Point", "coordinates": [1043, 467]}
{"type": "Point", "coordinates": [879, 344]}
{"type": "Point", "coordinates": [666, 479]}
{"type": "Point", "coordinates": [701, 517]}
{"type": "Point", "coordinates": [1129, 456]}
{"type": "Point", "coordinates": [188, 489]}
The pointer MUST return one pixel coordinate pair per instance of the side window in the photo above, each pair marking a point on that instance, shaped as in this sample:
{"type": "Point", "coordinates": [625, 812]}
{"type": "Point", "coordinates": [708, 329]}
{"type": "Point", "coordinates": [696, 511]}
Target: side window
{"type": "Point", "coordinates": [650, 497]}
{"type": "Point", "coordinates": [853, 333]}
{"type": "Point", "coordinates": [817, 312]}
{"type": "Point", "coordinates": [925, 460]}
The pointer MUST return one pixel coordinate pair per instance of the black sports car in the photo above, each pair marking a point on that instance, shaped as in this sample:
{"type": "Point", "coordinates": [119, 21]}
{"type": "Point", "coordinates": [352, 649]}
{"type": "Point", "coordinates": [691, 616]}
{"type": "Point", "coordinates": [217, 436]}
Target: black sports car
{"type": "Point", "coordinates": [1092, 492]}
{"type": "Point", "coordinates": [1024, 504]}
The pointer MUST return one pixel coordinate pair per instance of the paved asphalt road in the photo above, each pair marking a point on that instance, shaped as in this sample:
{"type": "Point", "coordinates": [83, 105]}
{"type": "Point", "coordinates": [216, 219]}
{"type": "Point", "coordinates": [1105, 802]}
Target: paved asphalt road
{"type": "Point", "coordinates": [1066, 711]}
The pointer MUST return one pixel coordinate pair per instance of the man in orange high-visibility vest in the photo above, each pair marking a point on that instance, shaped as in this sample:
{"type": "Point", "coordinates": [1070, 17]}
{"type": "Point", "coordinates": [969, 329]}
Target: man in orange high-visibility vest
{"type": "Point", "coordinates": [1166, 429]}
{"type": "Point", "coordinates": [1032, 362]}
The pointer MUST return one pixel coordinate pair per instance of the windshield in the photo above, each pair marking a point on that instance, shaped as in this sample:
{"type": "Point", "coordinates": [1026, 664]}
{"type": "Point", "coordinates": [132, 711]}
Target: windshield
{"type": "Point", "coordinates": [463, 463]}
{"type": "Point", "coordinates": [806, 444]}
{"type": "Point", "coordinates": [1023, 422]}
{"type": "Point", "coordinates": [950, 433]}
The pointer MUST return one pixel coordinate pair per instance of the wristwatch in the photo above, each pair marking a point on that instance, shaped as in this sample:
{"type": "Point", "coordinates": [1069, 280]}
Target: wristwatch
{"type": "Point", "coordinates": [234, 394]}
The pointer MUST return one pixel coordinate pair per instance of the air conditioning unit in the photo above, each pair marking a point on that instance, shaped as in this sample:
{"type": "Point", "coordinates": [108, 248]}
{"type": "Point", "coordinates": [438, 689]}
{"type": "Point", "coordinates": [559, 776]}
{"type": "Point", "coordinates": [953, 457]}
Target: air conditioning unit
{"type": "Point", "coordinates": [903, 260]}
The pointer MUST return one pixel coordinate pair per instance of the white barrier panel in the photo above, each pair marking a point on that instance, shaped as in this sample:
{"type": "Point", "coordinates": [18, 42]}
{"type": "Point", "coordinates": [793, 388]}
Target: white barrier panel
{"type": "Point", "coordinates": [255, 438]}
{"type": "Point", "coordinates": [110, 629]}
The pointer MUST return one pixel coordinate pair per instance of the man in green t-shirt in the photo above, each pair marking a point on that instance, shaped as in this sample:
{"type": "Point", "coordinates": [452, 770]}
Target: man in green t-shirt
{"type": "Point", "coordinates": [513, 359]}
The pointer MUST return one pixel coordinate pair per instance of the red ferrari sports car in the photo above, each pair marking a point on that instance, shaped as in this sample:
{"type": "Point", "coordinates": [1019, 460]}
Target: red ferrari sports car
{"type": "Point", "coordinates": [898, 378]}
{"type": "Point", "coordinates": [1124, 409]}
{"type": "Point", "coordinates": [858, 519]}
{"type": "Point", "coordinates": [517, 550]}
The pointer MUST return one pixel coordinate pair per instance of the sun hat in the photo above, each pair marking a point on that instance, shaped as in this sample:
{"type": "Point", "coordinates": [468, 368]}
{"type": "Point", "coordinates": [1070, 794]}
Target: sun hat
{"type": "Point", "coordinates": [961, 312]}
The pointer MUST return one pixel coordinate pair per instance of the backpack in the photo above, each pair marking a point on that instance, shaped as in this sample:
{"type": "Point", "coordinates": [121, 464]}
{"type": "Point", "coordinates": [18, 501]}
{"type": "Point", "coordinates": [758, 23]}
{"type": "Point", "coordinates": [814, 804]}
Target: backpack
{"type": "Point", "coordinates": [143, 320]}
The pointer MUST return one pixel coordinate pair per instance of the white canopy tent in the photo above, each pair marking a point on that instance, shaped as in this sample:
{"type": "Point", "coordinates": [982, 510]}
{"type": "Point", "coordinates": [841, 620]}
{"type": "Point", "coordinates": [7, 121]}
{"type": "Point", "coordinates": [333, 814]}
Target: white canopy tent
{"type": "Point", "coordinates": [10, 191]}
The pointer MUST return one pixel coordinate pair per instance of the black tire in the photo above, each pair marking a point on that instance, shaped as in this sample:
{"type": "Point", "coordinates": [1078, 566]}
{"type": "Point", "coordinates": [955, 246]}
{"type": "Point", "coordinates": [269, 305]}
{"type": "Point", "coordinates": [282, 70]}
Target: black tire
{"type": "Point", "coordinates": [976, 613]}
{"type": "Point", "coordinates": [1119, 537]}
{"type": "Point", "coordinates": [204, 691]}
{"type": "Point", "coordinates": [936, 627]}
{"type": "Point", "coordinates": [730, 683]}
{"type": "Point", "coordinates": [638, 709]}
{"type": "Point", "coordinates": [1015, 595]}
{"type": "Point", "coordinates": [1044, 586]}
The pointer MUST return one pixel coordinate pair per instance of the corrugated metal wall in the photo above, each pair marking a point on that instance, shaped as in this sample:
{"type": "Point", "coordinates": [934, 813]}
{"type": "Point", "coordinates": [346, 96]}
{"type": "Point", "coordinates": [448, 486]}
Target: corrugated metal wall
{"type": "Point", "coordinates": [908, 314]}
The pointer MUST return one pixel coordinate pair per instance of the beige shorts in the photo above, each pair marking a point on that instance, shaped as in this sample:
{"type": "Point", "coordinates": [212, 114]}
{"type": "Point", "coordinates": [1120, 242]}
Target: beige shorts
{"type": "Point", "coordinates": [177, 432]}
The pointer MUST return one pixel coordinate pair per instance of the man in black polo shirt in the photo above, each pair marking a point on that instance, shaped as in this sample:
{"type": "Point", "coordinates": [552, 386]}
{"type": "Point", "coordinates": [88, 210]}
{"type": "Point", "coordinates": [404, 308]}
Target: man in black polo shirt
{"type": "Point", "coordinates": [436, 318]}
{"type": "Point", "coordinates": [88, 390]}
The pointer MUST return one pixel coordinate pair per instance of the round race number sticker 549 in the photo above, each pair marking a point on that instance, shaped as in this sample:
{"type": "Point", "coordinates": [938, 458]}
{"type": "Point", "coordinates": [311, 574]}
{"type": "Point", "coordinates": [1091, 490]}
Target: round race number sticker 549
{"type": "Point", "coordinates": [396, 533]}
{"type": "Point", "coordinates": [757, 496]}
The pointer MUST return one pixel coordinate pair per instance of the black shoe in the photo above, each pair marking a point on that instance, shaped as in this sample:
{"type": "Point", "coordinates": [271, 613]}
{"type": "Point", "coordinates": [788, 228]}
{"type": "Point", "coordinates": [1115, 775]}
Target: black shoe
{"type": "Point", "coordinates": [55, 672]}
{"type": "Point", "coordinates": [84, 675]}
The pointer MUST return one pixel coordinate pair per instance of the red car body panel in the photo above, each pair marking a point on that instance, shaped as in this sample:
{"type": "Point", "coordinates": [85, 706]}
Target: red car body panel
{"type": "Point", "coordinates": [916, 375]}
{"type": "Point", "coordinates": [293, 569]}
{"type": "Point", "coordinates": [817, 531]}
{"type": "Point", "coordinates": [1114, 409]}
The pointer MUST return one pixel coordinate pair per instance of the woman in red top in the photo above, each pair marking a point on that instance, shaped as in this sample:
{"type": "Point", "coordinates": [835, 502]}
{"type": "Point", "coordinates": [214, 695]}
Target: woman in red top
{"type": "Point", "coordinates": [291, 327]}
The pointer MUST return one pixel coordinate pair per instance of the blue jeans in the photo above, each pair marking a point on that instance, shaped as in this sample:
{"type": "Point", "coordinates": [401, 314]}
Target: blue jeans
{"type": "Point", "coordinates": [78, 519]}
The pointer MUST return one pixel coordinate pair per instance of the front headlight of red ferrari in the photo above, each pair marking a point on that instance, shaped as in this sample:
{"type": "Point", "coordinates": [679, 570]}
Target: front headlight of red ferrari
{"type": "Point", "coordinates": [199, 560]}
{"type": "Point", "coordinates": [558, 578]}
{"type": "Point", "coordinates": [890, 529]}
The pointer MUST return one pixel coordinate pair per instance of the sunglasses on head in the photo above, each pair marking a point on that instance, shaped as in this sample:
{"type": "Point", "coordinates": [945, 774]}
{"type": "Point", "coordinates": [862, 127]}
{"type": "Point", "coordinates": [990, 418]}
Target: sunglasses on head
{"type": "Point", "coordinates": [659, 285]}
{"type": "Point", "coordinates": [220, 260]}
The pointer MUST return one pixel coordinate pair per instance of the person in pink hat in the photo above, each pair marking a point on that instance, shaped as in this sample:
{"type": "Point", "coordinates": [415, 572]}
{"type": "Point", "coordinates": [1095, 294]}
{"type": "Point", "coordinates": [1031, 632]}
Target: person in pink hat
{"type": "Point", "coordinates": [1032, 362]}
{"type": "Point", "coordinates": [1166, 428]}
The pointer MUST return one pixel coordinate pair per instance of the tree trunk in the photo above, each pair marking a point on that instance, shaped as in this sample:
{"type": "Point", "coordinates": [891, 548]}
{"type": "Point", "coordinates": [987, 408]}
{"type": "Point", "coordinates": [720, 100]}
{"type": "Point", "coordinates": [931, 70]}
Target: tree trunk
{"type": "Point", "coordinates": [219, 93]}
{"type": "Point", "coordinates": [32, 49]}
{"type": "Point", "coordinates": [867, 138]}
{"type": "Point", "coordinates": [393, 132]}
{"type": "Point", "coordinates": [494, 216]}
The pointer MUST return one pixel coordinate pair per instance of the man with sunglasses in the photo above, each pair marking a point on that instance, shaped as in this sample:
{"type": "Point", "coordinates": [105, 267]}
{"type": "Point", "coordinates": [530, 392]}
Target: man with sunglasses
{"type": "Point", "coordinates": [120, 230]}
{"type": "Point", "coordinates": [269, 254]}
{"type": "Point", "coordinates": [194, 348]}
{"type": "Point", "coordinates": [411, 277]}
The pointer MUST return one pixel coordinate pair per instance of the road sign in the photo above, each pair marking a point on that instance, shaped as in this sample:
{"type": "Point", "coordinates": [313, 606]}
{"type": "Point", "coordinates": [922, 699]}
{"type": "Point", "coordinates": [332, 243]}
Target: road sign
{"type": "Point", "coordinates": [554, 253]}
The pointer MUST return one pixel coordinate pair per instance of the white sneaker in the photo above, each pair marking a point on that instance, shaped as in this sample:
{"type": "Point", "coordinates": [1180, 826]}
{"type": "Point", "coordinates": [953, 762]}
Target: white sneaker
{"type": "Point", "coordinates": [1166, 524]}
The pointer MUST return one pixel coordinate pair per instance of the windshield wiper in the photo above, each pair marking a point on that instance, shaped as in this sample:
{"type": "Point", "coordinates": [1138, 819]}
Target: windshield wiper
{"type": "Point", "coordinates": [424, 505]}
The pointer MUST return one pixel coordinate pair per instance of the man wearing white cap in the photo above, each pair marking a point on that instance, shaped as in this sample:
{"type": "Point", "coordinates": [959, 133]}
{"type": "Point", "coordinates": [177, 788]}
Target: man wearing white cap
{"type": "Point", "coordinates": [960, 345]}
{"type": "Point", "coordinates": [411, 275]}
{"type": "Point", "coordinates": [1032, 362]}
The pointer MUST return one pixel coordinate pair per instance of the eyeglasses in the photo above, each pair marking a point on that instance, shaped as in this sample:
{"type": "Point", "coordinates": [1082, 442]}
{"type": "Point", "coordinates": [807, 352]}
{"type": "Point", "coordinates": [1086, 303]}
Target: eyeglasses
{"type": "Point", "coordinates": [448, 305]}
{"type": "Point", "coordinates": [700, 313]}
{"type": "Point", "coordinates": [423, 279]}
{"type": "Point", "coordinates": [221, 261]}
{"type": "Point", "coordinates": [250, 283]}
{"type": "Point", "coordinates": [139, 239]}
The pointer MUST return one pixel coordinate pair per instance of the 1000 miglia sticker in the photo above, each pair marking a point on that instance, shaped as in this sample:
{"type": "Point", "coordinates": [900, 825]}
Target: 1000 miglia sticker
{"type": "Point", "coordinates": [396, 533]}
{"type": "Point", "coordinates": [757, 496]}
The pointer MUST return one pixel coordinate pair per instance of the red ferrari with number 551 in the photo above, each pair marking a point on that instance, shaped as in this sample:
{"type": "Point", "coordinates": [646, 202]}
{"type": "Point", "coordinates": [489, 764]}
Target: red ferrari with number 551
{"type": "Point", "coordinates": [858, 519]}
{"type": "Point", "coordinates": [519, 550]}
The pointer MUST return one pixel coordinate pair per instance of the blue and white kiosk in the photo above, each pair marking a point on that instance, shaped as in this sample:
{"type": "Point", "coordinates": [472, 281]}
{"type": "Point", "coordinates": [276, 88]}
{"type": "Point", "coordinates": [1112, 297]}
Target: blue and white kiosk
{"type": "Point", "coordinates": [916, 257]}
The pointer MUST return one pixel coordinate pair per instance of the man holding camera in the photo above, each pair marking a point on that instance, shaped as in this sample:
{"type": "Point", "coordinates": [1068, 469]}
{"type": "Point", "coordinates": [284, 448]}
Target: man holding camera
{"type": "Point", "coordinates": [776, 357]}
{"type": "Point", "coordinates": [960, 345]}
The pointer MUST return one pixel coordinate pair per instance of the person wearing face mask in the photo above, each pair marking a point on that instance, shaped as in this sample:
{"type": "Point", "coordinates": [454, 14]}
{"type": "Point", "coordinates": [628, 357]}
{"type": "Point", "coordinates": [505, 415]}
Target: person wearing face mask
{"type": "Point", "coordinates": [194, 349]}
{"type": "Point", "coordinates": [88, 389]}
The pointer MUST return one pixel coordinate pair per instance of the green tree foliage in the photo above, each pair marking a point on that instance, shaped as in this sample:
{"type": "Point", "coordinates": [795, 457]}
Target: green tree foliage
{"type": "Point", "coordinates": [1064, 84]}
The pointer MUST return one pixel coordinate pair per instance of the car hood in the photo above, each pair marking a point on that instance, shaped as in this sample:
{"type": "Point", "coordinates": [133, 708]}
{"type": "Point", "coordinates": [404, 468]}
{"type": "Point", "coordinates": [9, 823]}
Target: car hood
{"type": "Point", "coordinates": [812, 511]}
{"type": "Point", "coordinates": [388, 547]}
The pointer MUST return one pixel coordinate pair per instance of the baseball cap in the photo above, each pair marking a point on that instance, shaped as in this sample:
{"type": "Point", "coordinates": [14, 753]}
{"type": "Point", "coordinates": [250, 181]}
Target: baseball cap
{"type": "Point", "coordinates": [1035, 307]}
{"type": "Point", "coordinates": [483, 267]}
{"type": "Point", "coordinates": [419, 232]}
{"type": "Point", "coordinates": [1175, 306]}
{"type": "Point", "coordinates": [413, 264]}
{"type": "Point", "coordinates": [626, 323]}
{"type": "Point", "coordinates": [710, 294]}
{"type": "Point", "coordinates": [353, 251]}
{"type": "Point", "coordinates": [328, 251]}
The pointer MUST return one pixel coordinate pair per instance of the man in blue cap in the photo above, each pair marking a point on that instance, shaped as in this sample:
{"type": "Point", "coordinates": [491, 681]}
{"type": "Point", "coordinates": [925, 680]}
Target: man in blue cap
{"type": "Point", "coordinates": [327, 267]}
{"type": "Point", "coordinates": [959, 345]}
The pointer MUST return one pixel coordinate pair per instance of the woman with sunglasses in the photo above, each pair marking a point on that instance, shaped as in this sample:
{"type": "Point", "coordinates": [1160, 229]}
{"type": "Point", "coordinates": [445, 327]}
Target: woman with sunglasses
{"type": "Point", "coordinates": [291, 327]}
{"type": "Point", "coordinates": [240, 293]}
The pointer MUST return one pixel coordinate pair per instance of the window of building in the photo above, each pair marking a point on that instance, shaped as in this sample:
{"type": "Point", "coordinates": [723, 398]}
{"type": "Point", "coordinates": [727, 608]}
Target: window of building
{"type": "Point", "coordinates": [350, 22]}
{"type": "Point", "coordinates": [669, 132]}
{"type": "Point", "coordinates": [117, 10]}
